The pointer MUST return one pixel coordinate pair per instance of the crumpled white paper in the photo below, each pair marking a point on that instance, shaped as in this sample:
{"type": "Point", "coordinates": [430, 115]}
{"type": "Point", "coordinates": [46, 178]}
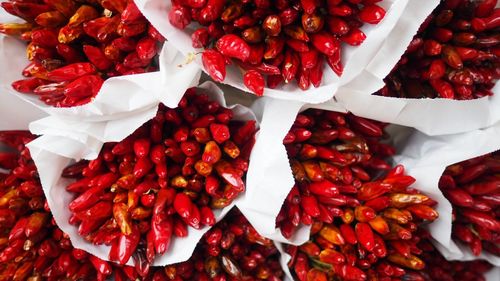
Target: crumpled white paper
{"type": "Point", "coordinates": [118, 95]}
{"type": "Point", "coordinates": [425, 158]}
{"type": "Point", "coordinates": [63, 142]}
{"type": "Point", "coordinates": [269, 177]}
{"type": "Point", "coordinates": [284, 259]}
{"type": "Point", "coordinates": [493, 274]}
{"type": "Point", "coordinates": [355, 58]}
{"type": "Point", "coordinates": [431, 116]}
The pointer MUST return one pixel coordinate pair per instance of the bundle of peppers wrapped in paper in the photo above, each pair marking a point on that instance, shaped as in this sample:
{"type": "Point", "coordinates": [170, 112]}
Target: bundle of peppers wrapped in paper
{"type": "Point", "coordinates": [32, 247]}
{"type": "Point", "coordinates": [283, 40]}
{"type": "Point", "coordinates": [332, 156]}
{"type": "Point", "coordinates": [455, 54]}
{"type": "Point", "coordinates": [473, 188]}
{"type": "Point", "coordinates": [231, 250]}
{"type": "Point", "coordinates": [73, 46]}
{"type": "Point", "coordinates": [439, 269]}
{"type": "Point", "coordinates": [167, 176]}
{"type": "Point", "coordinates": [363, 224]}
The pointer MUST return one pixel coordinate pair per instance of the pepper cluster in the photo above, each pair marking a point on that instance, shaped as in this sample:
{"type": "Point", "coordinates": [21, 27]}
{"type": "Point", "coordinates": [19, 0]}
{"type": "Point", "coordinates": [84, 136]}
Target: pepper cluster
{"type": "Point", "coordinates": [331, 155]}
{"type": "Point", "coordinates": [363, 225]}
{"type": "Point", "coordinates": [231, 250]}
{"type": "Point", "coordinates": [455, 54]}
{"type": "Point", "coordinates": [473, 188]}
{"type": "Point", "coordinates": [284, 40]}
{"type": "Point", "coordinates": [439, 269]}
{"type": "Point", "coordinates": [375, 240]}
{"type": "Point", "coordinates": [32, 247]}
{"type": "Point", "coordinates": [168, 175]}
{"type": "Point", "coordinates": [74, 45]}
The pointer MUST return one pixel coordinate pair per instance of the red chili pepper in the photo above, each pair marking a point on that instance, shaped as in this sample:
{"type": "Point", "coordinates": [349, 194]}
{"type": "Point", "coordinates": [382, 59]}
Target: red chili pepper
{"type": "Point", "coordinates": [482, 219]}
{"type": "Point", "coordinates": [254, 81]}
{"type": "Point", "coordinates": [215, 64]}
{"type": "Point", "coordinates": [233, 46]}
{"type": "Point", "coordinates": [371, 14]}
{"type": "Point", "coordinates": [365, 237]}
{"type": "Point", "coordinates": [70, 72]}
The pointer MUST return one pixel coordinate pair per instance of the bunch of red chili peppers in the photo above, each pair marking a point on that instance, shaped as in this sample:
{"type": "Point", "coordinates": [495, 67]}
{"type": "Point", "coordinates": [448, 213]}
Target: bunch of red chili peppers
{"type": "Point", "coordinates": [167, 176]}
{"type": "Point", "coordinates": [455, 54]}
{"type": "Point", "coordinates": [473, 188]}
{"type": "Point", "coordinates": [331, 155]}
{"type": "Point", "coordinates": [32, 247]}
{"type": "Point", "coordinates": [231, 250]}
{"type": "Point", "coordinates": [73, 46]}
{"type": "Point", "coordinates": [375, 240]}
{"type": "Point", "coordinates": [439, 269]}
{"type": "Point", "coordinates": [283, 40]}
{"type": "Point", "coordinates": [363, 226]}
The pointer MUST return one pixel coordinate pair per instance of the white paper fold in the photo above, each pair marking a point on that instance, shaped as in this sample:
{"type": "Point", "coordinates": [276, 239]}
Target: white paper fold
{"type": "Point", "coordinates": [117, 97]}
{"type": "Point", "coordinates": [269, 177]}
{"type": "Point", "coordinates": [425, 158]}
{"type": "Point", "coordinates": [355, 58]}
{"type": "Point", "coordinates": [64, 141]}
{"type": "Point", "coordinates": [431, 116]}
{"type": "Point", "coordinates": [493, 274]}
{"type": "Point", "coordinates": [284, 259]}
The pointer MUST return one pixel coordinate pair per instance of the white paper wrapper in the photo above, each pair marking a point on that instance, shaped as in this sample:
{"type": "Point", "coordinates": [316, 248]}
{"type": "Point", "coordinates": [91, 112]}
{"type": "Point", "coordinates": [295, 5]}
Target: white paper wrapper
{"type": "Point", "coordinates": [431, 116]}
{"type": "Point", "coordinates": [493, 274]}
{"type": "Point", "coordinates": [269, 177]}
{"type": "Point", "coordinates": [355, 58]}
{"type": "Point", "coordinates": [118, 95]}
{"type": "Point", "coordinates": [284, 259]}
{"type": "Point", "coordinates": [425, 158]}
{"type": "Point", "coordinates": [62, 142]}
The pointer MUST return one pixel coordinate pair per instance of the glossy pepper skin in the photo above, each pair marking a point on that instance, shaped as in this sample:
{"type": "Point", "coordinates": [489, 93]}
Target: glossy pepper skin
{"type": "Point", "coordinates": [141, 193]}
{"type": "Point", "coordinates": [453, 56]}
{"type": "Point", "coordinates": [73, 47]}
{"type": "Point", "coordinates": [257, 34]}
{"type": "Point", "coordinates": [472, 188]}
{"type": "Point", "coordinates": [33, 247]}
{"type": "Point", "coordinates": [362, 227]}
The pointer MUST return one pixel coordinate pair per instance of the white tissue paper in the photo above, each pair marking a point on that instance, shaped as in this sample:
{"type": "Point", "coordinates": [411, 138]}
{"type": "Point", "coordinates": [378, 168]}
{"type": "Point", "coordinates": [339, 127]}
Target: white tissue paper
{"type": "Point", "coordinates": [355, 58]}
{"type": "Point", "coordinates": [269, 177]}
{"type": "Point", "coordinates": [425, 158]}
{"type": "Point", "coordinates": [62, 143]}
{"type": "Point", "coordinates": [493, 274]}
{"type": "Point", "coordinates": [431, 116]}
{"type": "Point", "coordinates": [284, 259]}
